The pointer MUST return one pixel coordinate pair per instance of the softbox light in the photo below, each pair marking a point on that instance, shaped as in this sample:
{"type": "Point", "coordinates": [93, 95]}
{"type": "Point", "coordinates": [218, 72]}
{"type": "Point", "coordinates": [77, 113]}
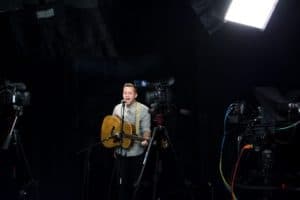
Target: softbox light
{"type": "Point", "coordinates": [254, 13]}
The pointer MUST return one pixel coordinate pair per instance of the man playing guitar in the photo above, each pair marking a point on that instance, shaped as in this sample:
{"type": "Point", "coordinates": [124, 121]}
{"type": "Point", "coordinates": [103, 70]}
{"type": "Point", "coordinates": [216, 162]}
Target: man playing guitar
{"type": "Point", "coordinates": [129, 160]}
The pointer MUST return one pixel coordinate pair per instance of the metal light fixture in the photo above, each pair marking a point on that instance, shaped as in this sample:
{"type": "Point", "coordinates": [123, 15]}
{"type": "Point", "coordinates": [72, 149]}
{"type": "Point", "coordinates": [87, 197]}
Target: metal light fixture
{"type": "Point", "coordinates": [254, 13]}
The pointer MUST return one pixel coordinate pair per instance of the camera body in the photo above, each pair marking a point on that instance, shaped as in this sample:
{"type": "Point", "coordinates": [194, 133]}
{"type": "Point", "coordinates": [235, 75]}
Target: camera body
{"type": "Point", "coordinates": [158, 95]}
{"type": "Point", "coordinates": [14, 94]}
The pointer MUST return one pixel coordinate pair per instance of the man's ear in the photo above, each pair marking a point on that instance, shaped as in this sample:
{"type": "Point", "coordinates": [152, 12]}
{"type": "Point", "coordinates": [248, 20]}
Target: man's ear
{"type": "Point", "coordinates": [135, 96]}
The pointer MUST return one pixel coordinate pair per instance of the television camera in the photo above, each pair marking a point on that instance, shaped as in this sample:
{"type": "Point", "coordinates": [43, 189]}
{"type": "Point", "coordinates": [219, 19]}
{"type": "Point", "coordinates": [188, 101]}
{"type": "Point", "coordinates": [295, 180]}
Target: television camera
{"type": "Point", "coordinates": [14, 93]}
{"type": "Point", "coordinates": [271, 129]}
{"type": "Point", "coordinates": [158, 95]}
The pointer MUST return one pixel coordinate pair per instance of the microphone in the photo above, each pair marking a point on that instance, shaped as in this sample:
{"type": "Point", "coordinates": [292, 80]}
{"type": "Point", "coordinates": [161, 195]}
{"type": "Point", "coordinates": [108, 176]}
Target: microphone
{"type": "Point", "coordinates": [123, 101]}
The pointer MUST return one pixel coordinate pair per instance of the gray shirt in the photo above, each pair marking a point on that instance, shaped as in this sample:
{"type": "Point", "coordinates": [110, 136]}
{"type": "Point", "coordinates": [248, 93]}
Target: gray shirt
{"type": "Point", "coordinates": [131, 113]}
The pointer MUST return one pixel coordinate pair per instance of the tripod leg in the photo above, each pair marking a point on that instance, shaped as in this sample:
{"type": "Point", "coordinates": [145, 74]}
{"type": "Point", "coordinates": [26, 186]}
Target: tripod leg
{"type": "Point", "coordinates": [179, 168]}
{"type": "Point", "coordinates": [10, 135]}
{"type": "Point", "coordinates": [138, 182]}
{"type": "Point", "coordinates": [156, 175]}
{"type": "Point", "coordinates": [31, 182]}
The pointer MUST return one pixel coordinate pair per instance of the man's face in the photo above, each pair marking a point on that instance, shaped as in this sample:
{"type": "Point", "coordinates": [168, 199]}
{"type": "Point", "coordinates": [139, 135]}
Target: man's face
{"type": "Point", "coordinates": [129, 95]}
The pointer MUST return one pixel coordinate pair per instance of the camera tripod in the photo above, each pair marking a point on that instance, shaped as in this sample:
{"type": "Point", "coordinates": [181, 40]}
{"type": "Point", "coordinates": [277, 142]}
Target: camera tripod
{"type": "Point", "coordinates": [14, 137]}
{"type": "Point", "coordinates": [160, 138]}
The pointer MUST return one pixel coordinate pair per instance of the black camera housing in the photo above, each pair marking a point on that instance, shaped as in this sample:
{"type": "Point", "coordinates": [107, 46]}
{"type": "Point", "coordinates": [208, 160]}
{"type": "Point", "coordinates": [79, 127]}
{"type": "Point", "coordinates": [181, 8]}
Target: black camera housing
{"type": "Point", "coordinates": [14, 94]}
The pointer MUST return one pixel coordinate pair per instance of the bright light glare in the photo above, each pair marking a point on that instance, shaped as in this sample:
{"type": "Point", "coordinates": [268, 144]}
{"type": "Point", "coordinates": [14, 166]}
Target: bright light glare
{"type": "Point", "coordinates": [254, 13]}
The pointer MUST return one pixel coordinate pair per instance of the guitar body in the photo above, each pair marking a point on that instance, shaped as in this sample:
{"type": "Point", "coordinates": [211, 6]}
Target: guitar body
{"type": "Point", "coordinates": [110, 132]}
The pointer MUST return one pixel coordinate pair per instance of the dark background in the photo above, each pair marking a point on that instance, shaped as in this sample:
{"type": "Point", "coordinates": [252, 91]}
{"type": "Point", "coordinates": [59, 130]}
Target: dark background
{"type": "Point", "coordinates": [75, 63]}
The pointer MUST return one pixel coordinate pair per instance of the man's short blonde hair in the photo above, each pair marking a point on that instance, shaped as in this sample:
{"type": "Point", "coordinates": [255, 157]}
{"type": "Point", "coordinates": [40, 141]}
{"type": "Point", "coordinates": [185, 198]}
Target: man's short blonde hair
{"type": "Point", "coordinates": [130, 85]}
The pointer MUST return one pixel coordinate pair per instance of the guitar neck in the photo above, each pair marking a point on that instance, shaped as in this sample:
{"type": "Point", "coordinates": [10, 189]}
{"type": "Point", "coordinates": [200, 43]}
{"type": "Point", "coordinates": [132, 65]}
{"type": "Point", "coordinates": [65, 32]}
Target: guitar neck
{"type": "Point", "coordinates": [134, 137]}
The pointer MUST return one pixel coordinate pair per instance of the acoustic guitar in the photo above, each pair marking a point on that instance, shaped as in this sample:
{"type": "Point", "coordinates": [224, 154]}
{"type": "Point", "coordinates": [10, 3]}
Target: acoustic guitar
{"type": "Point", "coordinates": [111, 133]}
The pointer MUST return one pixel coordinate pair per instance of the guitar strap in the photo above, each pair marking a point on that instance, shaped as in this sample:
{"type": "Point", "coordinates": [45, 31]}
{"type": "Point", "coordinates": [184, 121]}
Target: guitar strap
{"type": "Point", "coordinates": [137, 118]}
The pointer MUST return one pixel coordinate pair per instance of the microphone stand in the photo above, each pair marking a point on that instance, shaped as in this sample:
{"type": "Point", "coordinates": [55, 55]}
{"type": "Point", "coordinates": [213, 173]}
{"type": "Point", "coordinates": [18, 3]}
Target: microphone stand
{"type": "Point", "coordinates": [118, 165]}
{"type": "Point", "coordinates": [122, 121]}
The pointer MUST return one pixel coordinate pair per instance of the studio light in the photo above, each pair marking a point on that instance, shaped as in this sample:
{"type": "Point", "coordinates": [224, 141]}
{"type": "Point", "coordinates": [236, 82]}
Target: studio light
{"type": "Point", "coordinates": [254, 13]}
